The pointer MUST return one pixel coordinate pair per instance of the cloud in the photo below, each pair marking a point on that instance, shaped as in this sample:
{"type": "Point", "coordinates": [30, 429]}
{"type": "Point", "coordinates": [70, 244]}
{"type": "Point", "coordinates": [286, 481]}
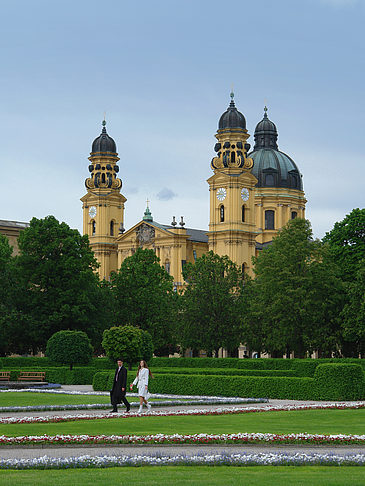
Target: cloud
{"type": "Point", "coordinates": [166, 194]}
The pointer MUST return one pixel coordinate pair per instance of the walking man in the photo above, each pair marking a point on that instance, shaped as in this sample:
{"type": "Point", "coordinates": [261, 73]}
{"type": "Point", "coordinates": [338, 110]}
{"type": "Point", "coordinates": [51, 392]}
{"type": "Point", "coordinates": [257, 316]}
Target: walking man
{"type": "Point", "coordinates": [117, 393]}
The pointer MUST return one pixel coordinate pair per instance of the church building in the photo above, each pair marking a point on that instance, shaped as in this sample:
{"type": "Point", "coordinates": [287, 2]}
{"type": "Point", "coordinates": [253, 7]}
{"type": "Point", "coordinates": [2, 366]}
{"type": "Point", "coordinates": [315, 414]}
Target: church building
{"type": "Point", "coordinates": [252, 195]}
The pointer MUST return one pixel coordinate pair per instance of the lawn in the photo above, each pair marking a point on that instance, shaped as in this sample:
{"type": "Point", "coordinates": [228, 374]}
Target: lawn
{"type": "Point", "coordinates": [190, 475]}
{"type": "Point", "coordinates": [23, 399]}
{"type": "Point", "coordinates": [312, 421]}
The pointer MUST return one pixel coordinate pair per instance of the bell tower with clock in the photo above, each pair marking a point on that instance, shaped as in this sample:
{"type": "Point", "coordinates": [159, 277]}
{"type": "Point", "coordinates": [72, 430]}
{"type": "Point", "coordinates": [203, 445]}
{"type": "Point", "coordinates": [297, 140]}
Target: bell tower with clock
{"type": "Point", "coordinates": [232, 229]}
{"type": "Point", "coordinates": [103, 205]}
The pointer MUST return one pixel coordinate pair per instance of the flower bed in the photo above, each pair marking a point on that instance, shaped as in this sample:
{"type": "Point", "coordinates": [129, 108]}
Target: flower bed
{"type": "Point", "coordinates": [160, 413]}
{"type": "Point", "coordinates": [260, 459]}
{"type": "Point", "coordinates": [195, 439]}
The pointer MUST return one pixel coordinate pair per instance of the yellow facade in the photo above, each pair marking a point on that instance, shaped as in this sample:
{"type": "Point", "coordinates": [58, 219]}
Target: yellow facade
{"type": "Point", "coordinates": [252, 195]}
{"type": "Point", "coordinates": [12, 229]}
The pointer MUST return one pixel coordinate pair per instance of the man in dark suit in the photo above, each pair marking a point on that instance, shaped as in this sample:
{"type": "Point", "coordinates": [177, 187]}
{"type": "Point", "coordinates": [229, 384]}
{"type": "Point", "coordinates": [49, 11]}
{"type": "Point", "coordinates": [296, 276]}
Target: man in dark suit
{"type": "Point", "coordinates": [117, 393]}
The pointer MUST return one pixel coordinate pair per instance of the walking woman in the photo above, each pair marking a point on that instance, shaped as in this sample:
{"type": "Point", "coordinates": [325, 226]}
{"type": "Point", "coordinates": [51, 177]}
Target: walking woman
{"type": "Point", "coordinates": [142, 377]}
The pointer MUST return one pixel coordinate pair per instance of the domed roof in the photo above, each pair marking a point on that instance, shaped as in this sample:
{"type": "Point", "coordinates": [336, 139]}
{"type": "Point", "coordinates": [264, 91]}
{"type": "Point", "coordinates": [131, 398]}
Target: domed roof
{"type": "Point", "coordinates": [266, 134]}
{"type": "Point", "coordinates": [103, 143]}
{"type": "Point", "coordinates": [232, 118]}
{"type": "Point", "coordinates": [272, 168]}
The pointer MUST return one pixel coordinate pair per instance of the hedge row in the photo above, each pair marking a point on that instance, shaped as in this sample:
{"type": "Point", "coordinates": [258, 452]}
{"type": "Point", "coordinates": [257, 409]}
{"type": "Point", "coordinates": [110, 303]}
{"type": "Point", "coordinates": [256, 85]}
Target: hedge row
{"type": "Point", "coordinates": [332, 381]}
{"type": "Point", "coordinates": [223, 371]}
{"type": "Point", "coordinates": [37, 361]}
{"type": "Point", "coordinates": [303, 367]}
{"type": "Point", "coordinates": [62, 375]}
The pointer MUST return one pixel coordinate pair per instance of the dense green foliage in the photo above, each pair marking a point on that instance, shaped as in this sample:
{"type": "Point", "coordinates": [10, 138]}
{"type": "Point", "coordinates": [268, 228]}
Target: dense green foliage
{"type": "Point", "coordinates": [128, 343]}
{"type": "Point", "coordinates": [69, 347]}
{"type": "Point", "coordinates": [346, 242]}
{"type": "Point", "coordinates": [210, 307]}
{"type": "Point", "coordinates": [327, 383]}
{"type": "Point", "coordinates": [56, 287]}
{"type": "Point", "coordinates": [295, 300]}
{"type": "Point", "coordinates": [142, 296]}
{"type": "Point", "coordinates": [340, 381]}
{"type": "Point", "coordinates": [61, 374]}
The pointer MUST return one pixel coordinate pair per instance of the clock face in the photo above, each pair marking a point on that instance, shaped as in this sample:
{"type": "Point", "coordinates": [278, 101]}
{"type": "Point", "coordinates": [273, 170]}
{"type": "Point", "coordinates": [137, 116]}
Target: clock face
{"type": "Point", "coordinates": [221, 194]}
{"type": "Point", "coordinates": [245, 194]}
{"type": "Point", "coordinates": [92, 211]}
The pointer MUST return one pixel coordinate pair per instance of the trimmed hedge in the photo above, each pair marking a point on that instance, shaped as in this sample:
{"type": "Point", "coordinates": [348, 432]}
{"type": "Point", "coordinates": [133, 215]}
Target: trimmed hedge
{"type": "Point", "coordinates": [332, 381]}
{"type": "Point", "coordinates": [303, 367]}
{"type": "Point", "coordinates": [340, 381]}
{"type": "Point", "coordinates": [223, 371]}
{"type": "Point", "coordinates": [62, 375]}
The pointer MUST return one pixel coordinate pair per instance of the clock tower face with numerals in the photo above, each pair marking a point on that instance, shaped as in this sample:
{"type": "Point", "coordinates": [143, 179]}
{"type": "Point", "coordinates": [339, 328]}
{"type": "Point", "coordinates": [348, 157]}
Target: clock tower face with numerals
{"type": "Point", "coordinates": [245, 194]}
{"type": "Point", "coordinates": [221, 194]}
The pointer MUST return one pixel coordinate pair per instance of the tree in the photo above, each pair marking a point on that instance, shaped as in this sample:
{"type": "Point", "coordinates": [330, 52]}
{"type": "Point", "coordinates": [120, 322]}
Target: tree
{"type": "Point", "coordinates": [59, 286]}
{"type": "Point", "coordinates": [7, 293]}
{"type": "Point", "coordinates": [296, 298]}
{"type": "Point", "coordinates": [210, 313]}
{"type": "Point", "coordinates": [346, 243]}
{"type": "Point", "coordinates": [128, 343]}
{"type": "Point", "coordinates": [353, 314]}
{"type": "Point", "coordinates": [143, 296]}
{"type": "Point", "coordinates": [69, 347]}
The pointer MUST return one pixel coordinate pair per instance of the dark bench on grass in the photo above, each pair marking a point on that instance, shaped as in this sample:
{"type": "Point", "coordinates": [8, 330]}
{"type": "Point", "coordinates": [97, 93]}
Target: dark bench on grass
{"type": "Point", "coordinates": [32, 376]}
{"type": "Point", "coordinates": [4, 375]}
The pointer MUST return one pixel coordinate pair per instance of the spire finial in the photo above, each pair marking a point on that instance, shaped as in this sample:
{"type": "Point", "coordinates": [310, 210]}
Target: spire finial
{"type": "Point", "coordinates": [104, 123]}
{"type": "Point", "coordinates": [232, 97]}
{"type": "Point", "coordinates": [147, 214]}
{"type": "Point", "coordinates": [147, 202]}
{"type": "Point", "coordinates": [265, 111]}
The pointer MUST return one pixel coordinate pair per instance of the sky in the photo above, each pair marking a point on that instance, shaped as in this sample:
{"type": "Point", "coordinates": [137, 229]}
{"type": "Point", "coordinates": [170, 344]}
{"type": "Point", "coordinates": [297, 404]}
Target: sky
{"type": "Point", "coordinates": [162, 72]}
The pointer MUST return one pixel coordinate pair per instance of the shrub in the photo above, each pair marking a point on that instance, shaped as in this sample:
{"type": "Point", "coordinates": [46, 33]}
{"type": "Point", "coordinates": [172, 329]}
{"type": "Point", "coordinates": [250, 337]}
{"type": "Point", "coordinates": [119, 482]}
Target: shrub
{"type": "Point", "coordinates": [69, 347]}
{"type": "Point", "coordinates": [128, 343]}
{"type": "Point", "coordinates": [223, 371]}
{"type": "Point", "coordinates": [335, 381]}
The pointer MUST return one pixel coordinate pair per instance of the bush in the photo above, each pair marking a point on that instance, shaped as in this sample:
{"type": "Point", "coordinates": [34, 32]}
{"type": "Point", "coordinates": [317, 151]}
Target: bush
{"type": "Point", "coordinates": [69, 347]}
{"type": "Point", "coordinates": [228, 386]}
{"type": "Point", "coordinates": [223, 371]}
{"type": "Point", "coordinates": [1, 363]}
{"type": "Point", "coordinates": [62, 375]}
{"type": "Point", "coordinates": [335, 381]}
{"type": "Point", "coordinates": [103, 380]}
{"type": "Point", "coordinates": [129, 343]}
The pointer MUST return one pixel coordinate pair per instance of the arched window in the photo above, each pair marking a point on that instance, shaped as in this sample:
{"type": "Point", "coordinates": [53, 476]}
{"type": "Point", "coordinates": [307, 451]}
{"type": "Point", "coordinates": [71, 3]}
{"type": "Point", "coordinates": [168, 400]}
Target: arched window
{"type": "Point", "coordinates": [221, 213]}
{"type": "Point", "coordinates": [243, 268]}
{"type": "Point", "coordinates": [294, 214]}
{"type": "Point", "coordinates": [93, 226]}
{"type": "Point", "coordinates": [233, 157]}
{"type": "Point", "coordinates": [243, 214]}
{"type": "Point", "coordinates": [103, 178]}
{"type": "Point", "coordinates": [269, 180]}
{"type": "Point", "coordinates": [167, 266]}
{"type": "Point", "coordinates": [111, 228]}
{"type": "Point", "coordinates": [269, 220]}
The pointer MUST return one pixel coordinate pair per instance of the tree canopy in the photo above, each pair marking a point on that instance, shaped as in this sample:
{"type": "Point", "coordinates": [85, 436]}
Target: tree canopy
{"type": "Point", "coordinates": [210, 312]}
{"type": "Point", "coordinates": [57, 281]}
{"type": "Point", "coordinates": [346, 243]}
{"type": "Point", "coordinates": [143, 296]}
{"type": "Point", "coordinates": [295, 299]}
{"type": "Point", "coordinates": [128, 343]}
{"type": "Point", "coordinates": [69, 347]}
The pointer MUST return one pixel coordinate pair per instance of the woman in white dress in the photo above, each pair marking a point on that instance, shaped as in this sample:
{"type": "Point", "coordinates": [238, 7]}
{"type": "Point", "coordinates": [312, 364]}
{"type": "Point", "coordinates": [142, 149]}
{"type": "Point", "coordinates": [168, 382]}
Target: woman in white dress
{"type": "Point", "coordinates": [141, 379]}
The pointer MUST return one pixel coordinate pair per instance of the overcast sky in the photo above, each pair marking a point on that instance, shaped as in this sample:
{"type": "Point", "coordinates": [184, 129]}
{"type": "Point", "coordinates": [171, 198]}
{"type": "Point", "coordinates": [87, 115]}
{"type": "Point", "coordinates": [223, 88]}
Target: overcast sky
{"type": "Point", "coordinates": [162, 71]}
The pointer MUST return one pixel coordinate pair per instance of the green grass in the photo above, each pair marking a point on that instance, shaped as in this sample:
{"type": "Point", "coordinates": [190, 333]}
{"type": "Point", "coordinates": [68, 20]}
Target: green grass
{"type": "Point", "coordinates": [311, 421]}
{"type": "Point", "coordinates": [190, 475]}
{"type": "Point", "coordinates": [22, 399]}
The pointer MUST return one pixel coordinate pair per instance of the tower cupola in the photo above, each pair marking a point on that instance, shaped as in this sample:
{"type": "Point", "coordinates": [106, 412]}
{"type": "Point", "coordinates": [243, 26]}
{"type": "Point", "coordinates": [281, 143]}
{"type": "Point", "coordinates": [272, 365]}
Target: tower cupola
{"type": "Point", "coordinates": [232, 118]}
{"type": "Point", "coordinates": [232, 135]}
{"type": "Point", "coordinates": [266, 134]}
{"type": "Point", "coordinates": [104, 143]}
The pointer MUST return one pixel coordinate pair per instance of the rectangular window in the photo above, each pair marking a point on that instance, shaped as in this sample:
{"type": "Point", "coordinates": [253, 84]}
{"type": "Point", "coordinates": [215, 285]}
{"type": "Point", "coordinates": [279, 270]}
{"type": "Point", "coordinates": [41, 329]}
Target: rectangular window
{"type": "Point", "coordinates": [269, 220]}
{"type": "Point", "coordinates": [194, 255]}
